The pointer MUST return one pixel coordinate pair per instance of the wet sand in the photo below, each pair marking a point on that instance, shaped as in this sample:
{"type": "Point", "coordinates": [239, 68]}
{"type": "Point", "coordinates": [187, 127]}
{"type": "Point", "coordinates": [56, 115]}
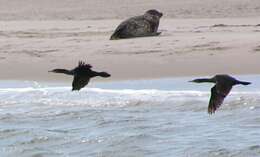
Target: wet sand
{"type": "Point", "coordinates": [186, 47]}
{"type": "Point", "coordinates": [41, 36]}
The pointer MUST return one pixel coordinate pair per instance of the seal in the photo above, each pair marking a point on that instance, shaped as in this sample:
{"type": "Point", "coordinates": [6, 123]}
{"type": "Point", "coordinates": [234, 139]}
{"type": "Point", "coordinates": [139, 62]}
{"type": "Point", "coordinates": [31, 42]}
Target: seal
{"type": "Point", "coordinates": [139, 26]}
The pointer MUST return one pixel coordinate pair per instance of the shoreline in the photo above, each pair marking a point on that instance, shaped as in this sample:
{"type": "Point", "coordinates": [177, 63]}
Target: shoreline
{"type": "Point", "coordinates": [96, 80]}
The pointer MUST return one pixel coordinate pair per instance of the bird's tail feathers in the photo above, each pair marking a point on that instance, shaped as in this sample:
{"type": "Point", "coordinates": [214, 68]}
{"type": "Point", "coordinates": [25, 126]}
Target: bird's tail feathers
{"type": "Point", "coordinates": [103, 74]}
{"type": "Point", "coordinates": [244, 83]}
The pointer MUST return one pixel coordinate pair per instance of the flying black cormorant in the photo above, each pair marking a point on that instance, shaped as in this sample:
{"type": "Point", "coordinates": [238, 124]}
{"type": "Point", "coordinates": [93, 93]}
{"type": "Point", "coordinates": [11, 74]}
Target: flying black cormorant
{"type": "Point", "coordinates": [82, 74]}
{"type": "Point", "coordinates": [223, 85]}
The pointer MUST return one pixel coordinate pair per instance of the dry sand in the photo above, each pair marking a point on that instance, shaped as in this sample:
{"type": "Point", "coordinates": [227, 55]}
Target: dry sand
{"type": "Point", "coordinates": [118, 9]}
{"type": "Point", "coordinates": [214, 37]}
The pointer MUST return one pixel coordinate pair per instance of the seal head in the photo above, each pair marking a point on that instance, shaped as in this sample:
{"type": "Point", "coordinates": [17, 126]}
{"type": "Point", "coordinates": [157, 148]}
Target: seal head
{"type": "Point", "coordinates": [154, 12]}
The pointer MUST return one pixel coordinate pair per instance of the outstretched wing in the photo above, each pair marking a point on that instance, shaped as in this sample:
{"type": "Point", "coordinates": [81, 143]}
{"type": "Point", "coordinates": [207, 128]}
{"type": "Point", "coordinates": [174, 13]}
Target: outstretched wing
{"type": "Point", "coordinates": [218, 94]}
{"type": "Point", "coordinates": [79, 82]}
{"type": "Point", "coordinates": [84, 65]}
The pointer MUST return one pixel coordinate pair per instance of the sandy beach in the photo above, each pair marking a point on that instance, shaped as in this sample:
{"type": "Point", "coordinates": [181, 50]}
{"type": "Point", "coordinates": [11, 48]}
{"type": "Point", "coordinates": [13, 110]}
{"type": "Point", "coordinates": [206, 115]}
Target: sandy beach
{"type": "Point", "coordinates": [205, 40]}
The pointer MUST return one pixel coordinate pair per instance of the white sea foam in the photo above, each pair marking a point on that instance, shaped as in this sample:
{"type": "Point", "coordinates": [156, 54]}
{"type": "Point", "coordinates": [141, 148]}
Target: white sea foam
{"type": "Point", "coordinates": [122, 91]}
{"type": "Point", "coordinates": [54, 121]}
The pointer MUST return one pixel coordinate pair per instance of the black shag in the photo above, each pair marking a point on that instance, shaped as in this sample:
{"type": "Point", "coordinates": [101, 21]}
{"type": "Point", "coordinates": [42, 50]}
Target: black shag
{"type": "Point", "coordinates": [223, 85]}
{"type": "Point", "coordinates": [82, 74]}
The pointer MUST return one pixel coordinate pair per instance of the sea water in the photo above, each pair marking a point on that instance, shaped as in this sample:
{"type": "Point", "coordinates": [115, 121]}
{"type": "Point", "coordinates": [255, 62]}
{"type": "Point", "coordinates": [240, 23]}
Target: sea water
{"type": "Point", "coordinates": [153, 118]}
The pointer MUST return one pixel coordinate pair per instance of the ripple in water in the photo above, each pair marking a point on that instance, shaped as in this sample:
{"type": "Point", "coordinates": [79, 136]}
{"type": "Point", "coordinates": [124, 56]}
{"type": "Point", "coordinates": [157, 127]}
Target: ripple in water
{"type": "Point", "coordinates": [52, 121]}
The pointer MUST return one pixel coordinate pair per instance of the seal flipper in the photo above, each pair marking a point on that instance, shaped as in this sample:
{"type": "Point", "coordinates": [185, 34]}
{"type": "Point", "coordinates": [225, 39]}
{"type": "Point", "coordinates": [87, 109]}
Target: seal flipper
{"type": "Point", "coordinates": [118, 32]}
{"type": "Point", "coordinates": [157, 33]}
{"type": "Point", "coordinates": [152, 34]}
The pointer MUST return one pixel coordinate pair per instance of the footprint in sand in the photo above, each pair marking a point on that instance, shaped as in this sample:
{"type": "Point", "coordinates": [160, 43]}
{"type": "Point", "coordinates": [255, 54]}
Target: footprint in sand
{"type": "Point", "coordinates": [257, 49]}
{"type": "Point", "coordinates": [211, 46]}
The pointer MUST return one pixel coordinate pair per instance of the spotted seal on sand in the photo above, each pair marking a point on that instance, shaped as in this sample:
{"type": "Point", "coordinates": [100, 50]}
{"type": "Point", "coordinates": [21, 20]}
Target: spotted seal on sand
{"type": "Point", "coordinates": [139, 26]}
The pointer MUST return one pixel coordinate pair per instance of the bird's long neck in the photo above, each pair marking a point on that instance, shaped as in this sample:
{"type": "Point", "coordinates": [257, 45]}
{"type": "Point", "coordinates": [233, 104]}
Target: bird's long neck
{"type": "Point", "coordinates": [202, 80]}
{"type": "Point", "coordinates": [64, 71]}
